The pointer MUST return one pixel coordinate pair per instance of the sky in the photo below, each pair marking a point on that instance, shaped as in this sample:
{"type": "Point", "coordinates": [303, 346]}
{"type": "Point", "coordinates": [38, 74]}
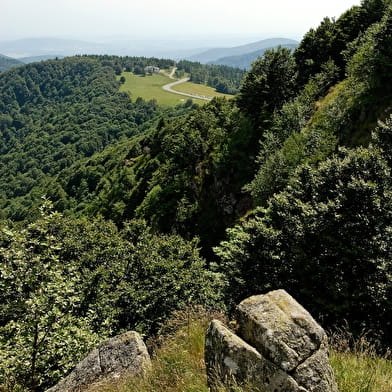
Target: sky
{"type": "Point", "coordinates": [164, 19]}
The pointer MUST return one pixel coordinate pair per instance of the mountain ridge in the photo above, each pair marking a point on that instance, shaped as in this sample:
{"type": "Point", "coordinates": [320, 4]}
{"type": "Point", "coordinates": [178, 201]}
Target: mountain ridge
{"type": "Point", "coordinates": [218, 53]}
{"type": "Point", "coordinates": [245, 61]}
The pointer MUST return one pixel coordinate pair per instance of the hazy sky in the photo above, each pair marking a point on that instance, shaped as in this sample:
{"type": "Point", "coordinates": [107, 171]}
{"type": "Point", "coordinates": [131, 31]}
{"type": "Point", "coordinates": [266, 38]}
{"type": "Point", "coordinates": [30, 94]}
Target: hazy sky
{"type": "Point", "coordinates": [87, 19]}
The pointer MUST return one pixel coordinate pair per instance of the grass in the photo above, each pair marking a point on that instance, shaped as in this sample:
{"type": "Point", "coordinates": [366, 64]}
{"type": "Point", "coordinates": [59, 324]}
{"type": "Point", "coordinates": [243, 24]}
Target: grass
{"type": "Point", "coordinates": [199, 89]}
{"type": "Point", "coordinates": [178, 362]}
{"type": "Point", "coordinates": [150, 87]}
{"type": "Point", "coordinates": [357, 366]}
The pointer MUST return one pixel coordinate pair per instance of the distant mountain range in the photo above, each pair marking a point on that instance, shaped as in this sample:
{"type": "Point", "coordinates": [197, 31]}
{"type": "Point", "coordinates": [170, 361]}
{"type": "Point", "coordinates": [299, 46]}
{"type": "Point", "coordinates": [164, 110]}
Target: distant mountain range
{"type": "Point", "coordinates": [56, 47]}
{"type": "Point", "coordinates": [244, 61]}
{"type": "Point", "coordinates": [36, 49]}
{"type": "Point", "coordinates": [7, 62]}
{"type": "Point", "coordinates": [217, 55]}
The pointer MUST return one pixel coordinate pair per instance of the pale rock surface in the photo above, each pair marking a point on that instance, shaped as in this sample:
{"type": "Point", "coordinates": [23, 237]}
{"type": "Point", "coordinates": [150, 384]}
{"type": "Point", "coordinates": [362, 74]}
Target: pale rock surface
{"type": "Point", "coordinates": [230, 359]}
{"type": "Point", "coordinates": [121, 356]}
{"type": "Point", "coordinates": [278, 341]}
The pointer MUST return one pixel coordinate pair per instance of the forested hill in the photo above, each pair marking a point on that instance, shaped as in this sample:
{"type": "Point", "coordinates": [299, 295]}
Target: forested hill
{"type": "Point", "coordinates": [52, 115]}
{"type": "Point", "coordinates": [55, 113]}
{"type": "Point", "coordinates": [8, 62]}
{"type": "Point", "coordinates": [288, 185]}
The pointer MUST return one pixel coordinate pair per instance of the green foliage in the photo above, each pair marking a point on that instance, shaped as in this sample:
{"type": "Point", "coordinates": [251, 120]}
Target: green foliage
{"type": "Point", "coordinates": [283, 146]}
{"type": "Point", "coordinates": [166, 176]}
{"type": "Point", "coordinates": [331, 39]}
{"type": "Point", "coordinates": [40, 335]}
{"type": "Point", "coordinates": [352, 109]}
{"type": "Point", "coordinates": [270, 82]}
{"type": "Point", "coordinates": [325, 239]}
{"type": "Point", "coordinates": [53, 114]}
{"type": "Point", "coordinates": [372, 61]}
{"type": "Point", "coordinates": [163, 274]}
{"type": "Point", "coordinates": [224, 79]}
{"type": "Point", "coordinates": [184, 177]}
{"type": "Point", "coordinates": [67, 284]}
{"type": "Point", "coordinates": [308, 128]}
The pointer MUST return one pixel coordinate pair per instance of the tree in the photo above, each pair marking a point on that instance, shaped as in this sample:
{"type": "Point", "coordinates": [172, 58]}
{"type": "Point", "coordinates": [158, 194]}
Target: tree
{"type": "Point", "coordinates": [270, 82]}
{"type": "Point", "coordinates": [66, 284]}
{"type": "Point", "coordinates": [331, 40]}
{"type": "Point", "coordinates": [326, 239]}
{"type": "Point", "coordinates": [371, 62]}
{"type": "Point", "coordinates": [162, 274]}
{"type": "Point", "coordinates": [40, 336]}
{"type": "Point", "coordinates": [286, 144]}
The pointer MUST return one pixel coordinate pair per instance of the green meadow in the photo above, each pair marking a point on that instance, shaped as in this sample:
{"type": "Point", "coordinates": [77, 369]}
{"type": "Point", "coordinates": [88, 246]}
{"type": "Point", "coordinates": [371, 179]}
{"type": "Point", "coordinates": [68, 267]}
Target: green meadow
{"type": "Point", "coordinates": [199, 89]}
{"type": "Point", "coordinates": [150, 87]}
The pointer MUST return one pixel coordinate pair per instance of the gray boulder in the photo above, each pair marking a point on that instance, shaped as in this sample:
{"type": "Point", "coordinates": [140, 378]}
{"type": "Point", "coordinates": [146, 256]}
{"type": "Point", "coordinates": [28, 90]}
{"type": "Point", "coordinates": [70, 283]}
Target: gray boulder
{"type": "Point", "coordinates": [229, 360]}
{"type": "Point", "coordinates": [121, 356]}
{"type": "Point", "coordinates": [279, 348]}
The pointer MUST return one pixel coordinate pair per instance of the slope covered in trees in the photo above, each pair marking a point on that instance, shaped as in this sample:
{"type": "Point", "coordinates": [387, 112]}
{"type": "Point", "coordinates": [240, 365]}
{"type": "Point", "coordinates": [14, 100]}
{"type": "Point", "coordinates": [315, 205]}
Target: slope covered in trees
{"type": "Point", "coordinates": [286, 186]}
{"type": "Point", "coordinates": [223, 78]}
{"type": "Point", "coordinates": [52, 115]}
{"type": "Point", "coordinates": [8, 62]}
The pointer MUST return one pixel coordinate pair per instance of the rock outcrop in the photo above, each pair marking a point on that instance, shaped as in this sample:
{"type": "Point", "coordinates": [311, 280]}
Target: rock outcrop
{"type": "Point", "coordinates": [278, 348]}
{"type": "Point", "coordinates": [122, 356]}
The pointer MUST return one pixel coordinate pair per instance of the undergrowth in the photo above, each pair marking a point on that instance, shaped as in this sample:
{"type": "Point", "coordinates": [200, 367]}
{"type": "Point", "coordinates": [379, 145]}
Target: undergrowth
{"type": "Point", "coordinates": [357, 366]}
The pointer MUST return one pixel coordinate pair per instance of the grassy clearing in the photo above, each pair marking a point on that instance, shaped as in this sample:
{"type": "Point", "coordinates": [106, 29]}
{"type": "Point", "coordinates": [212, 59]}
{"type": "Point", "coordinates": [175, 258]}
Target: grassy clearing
{"type": "Point", "coordinates": [357, 366]}
{"type": "Point", "coordinates": [150, 87]}
{"type": "Point", "coordinates": [178, 362]}
{"type": "Point", "coordinates": [199, 89]}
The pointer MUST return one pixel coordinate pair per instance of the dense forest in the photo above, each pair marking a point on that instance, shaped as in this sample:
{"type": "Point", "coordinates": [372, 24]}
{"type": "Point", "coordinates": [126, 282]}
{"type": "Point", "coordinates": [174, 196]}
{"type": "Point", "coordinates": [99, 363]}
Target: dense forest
{"type": "Point", "coordinates": [118, 212]}
{"type": "Point", "coordinates": [223, 78]}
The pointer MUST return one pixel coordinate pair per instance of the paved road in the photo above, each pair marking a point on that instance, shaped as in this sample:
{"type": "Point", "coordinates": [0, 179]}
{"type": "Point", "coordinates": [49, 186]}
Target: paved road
{"type": "Point", "coordinates": [171, 76]}
{"type": "Point", "coordinates": [168, 87]}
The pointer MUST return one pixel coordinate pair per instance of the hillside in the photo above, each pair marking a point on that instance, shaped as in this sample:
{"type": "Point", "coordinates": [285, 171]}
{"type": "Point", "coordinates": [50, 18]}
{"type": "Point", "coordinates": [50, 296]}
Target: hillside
{"type": "Point", "coordinates": [244, 61]}
{"type": "Point", "coordinates": [286, 185]}
{"type": "Point", "coordinates": [8, 62]}
{"type": "Point", "coordinates": [212, 55]}
{"type": "Point", "coordinates": [54, 114]}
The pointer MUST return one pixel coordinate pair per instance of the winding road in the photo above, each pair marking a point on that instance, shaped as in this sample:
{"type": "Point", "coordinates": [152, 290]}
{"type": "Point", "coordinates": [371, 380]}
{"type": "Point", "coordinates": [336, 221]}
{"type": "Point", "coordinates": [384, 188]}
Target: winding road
{"type": "Point", "coordinates": [168, 87]}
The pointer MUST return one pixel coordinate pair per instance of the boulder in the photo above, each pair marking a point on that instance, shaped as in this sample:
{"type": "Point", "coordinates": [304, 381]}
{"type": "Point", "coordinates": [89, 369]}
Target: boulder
{"type": "Point", "coordinates": [121, 356]}
{"type": "Point", "coordinates": [229, 360]}
{"type": "Point", "coordinates": [280, 346]}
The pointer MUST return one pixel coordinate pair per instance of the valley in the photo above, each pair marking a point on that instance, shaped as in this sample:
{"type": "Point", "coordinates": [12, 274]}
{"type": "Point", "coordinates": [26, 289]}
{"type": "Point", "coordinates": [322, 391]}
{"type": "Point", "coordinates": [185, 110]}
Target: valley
{"type": "Point", "coordinates": [165, 91]}
{"type": "Point", "coordinates": [146, 193]}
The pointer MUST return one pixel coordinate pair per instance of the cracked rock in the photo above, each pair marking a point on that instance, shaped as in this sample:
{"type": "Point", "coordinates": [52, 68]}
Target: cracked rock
{"type": "Point", "coordinates": [121, 356]}
{"type": "Point", "coordinates": [278, 341]}
{"type": "Point", "coordinates": [229, 360]}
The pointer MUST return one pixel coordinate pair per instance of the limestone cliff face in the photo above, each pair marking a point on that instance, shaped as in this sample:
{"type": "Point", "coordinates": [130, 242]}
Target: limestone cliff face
{"type": "Point", "coordinates": [279, 348]}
